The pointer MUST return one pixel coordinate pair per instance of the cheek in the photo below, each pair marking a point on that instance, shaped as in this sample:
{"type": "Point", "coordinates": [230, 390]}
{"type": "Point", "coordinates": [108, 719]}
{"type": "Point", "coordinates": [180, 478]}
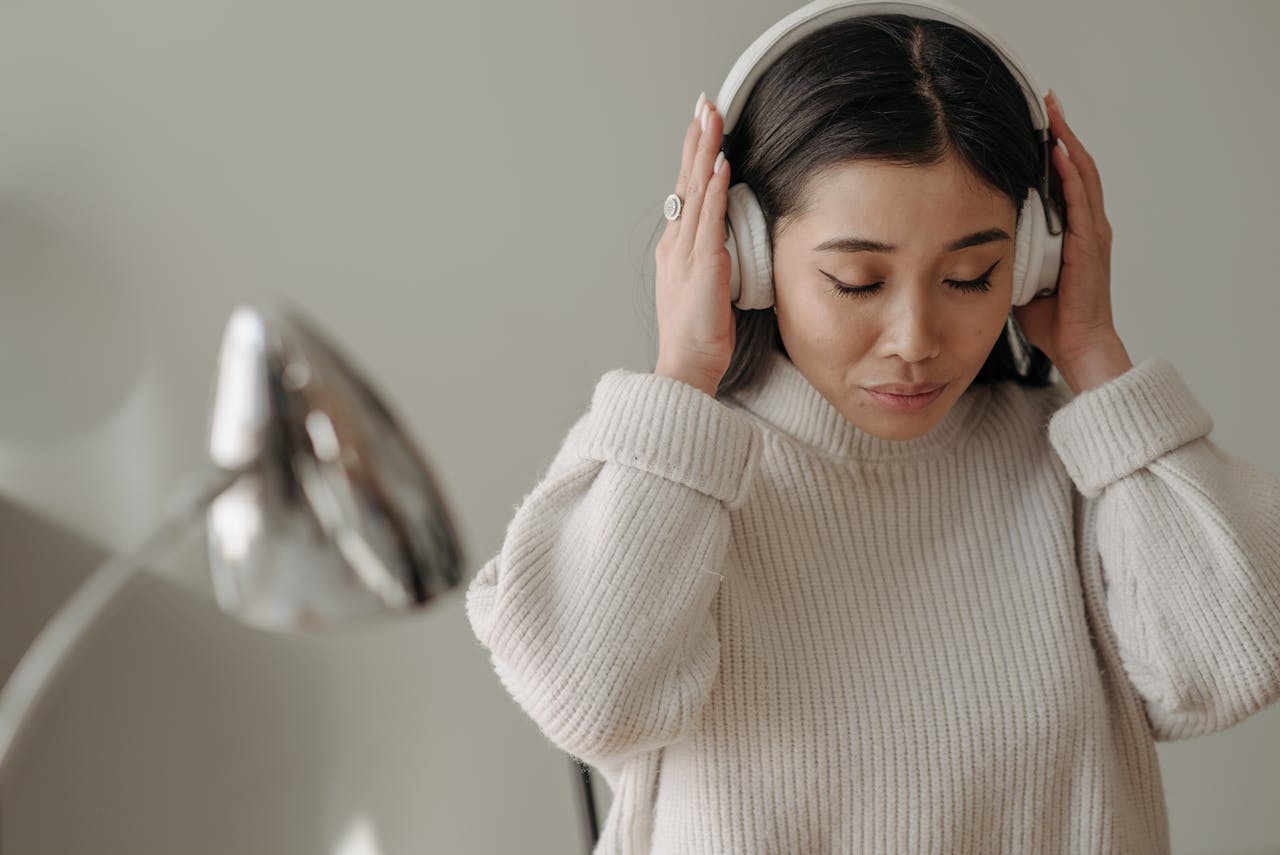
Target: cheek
{"type": "Point", "coordinates": [988, 329]}
{"type": "Point", "coordinates": [821, 317]}
{"type": "Point", "coordinates": [822, 327]}
{"type": "Point", "coordinates": [804, 310]}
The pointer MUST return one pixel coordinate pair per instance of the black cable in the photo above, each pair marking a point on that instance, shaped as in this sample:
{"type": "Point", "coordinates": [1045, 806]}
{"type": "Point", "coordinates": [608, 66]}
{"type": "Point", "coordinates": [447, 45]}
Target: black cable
{"type": "Point", "coordinates": [587, 803]}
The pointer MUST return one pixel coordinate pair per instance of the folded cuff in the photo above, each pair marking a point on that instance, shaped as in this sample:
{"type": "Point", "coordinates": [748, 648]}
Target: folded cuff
{"type": "Point", "coordinates": [674, 430]}
{"type": "Point", "coordinates": [1116, 428]}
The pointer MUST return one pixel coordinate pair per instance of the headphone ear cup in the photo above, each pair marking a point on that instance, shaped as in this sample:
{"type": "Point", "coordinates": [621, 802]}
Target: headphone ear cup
{"type": "Point", "coordinates": [1037, 255]}
{"type": "Point", "coordinates": [1050, 252]}
{"type": "Point", "coordinates": [1023, 255]}
{"type": "Point", "coordinates": [747, 240]}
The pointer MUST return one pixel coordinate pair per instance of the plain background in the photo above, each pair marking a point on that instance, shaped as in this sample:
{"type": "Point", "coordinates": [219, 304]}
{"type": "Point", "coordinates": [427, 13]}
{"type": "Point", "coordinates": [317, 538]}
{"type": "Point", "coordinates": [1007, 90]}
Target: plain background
{"type": "Point", "coordinates": [464, 196]}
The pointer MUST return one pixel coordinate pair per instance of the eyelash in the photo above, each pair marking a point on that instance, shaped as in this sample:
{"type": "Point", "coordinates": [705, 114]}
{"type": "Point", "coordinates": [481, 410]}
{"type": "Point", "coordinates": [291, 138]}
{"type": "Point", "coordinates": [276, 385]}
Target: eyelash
{"type": "Point", "coordinates": [980, 285]}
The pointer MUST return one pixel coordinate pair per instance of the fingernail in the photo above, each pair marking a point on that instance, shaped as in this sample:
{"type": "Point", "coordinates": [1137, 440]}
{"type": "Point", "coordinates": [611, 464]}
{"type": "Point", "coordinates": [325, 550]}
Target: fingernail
{"type": "Point", "coordinates": [706, 111]}
{"type": "Point", "coordinates": [1058, 101]}
{"type": "Point", "coordinates": [697, 108]}
{"type": "Point", "coordinates": [719, 162]}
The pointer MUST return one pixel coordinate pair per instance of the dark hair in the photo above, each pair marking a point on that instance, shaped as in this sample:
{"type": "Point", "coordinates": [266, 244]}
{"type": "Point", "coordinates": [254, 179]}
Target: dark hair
{"type": "Point", "coordinates": [890, 88]}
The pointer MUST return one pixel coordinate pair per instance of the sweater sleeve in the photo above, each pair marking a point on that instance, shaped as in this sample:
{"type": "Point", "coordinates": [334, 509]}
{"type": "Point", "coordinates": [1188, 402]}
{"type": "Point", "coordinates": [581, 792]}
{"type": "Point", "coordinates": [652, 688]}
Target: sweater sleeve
{"type": "Point", "coordinates": [1189, 543]}
{"type": "Point", "coordinates": [596, 610]}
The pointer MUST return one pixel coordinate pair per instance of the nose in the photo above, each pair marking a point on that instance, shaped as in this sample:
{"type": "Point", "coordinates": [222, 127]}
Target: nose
{"type": "Point", "coordinates": [911, 330]}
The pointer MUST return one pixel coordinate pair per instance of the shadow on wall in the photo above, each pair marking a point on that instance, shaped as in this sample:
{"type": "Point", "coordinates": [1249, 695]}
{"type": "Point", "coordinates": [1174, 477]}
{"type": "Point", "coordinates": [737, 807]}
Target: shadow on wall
{"type": "Point", "coordinates": [173, 728]}
{"type": "Point", "coordinates": [59, 288]}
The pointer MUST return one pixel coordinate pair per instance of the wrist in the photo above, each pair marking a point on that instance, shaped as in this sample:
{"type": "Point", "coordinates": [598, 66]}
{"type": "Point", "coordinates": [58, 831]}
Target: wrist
{"type": "Point", "coordinates": [697, 379]}
{"type": "Point", "coordinates": [1099, 364]}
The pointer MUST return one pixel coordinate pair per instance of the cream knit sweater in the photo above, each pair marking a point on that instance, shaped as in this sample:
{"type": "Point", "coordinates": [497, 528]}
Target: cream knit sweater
{"type": "Point", "coordinates": [776, 634]}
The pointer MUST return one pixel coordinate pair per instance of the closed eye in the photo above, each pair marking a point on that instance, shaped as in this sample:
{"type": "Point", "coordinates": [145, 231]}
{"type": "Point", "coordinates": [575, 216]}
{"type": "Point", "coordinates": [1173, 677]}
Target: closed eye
{"type": "Point", "coordinates": [979, 285]}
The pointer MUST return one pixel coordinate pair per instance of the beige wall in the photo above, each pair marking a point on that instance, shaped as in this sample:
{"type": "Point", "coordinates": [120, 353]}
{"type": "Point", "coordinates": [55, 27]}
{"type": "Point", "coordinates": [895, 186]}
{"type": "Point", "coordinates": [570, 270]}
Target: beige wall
{"type": "Point", "coordinates": [463, 195]}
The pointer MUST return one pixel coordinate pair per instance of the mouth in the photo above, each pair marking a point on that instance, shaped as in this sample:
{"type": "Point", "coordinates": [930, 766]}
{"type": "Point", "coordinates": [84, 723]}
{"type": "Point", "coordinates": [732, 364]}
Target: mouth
{"type": "Point", "coordinates": [906, 402]}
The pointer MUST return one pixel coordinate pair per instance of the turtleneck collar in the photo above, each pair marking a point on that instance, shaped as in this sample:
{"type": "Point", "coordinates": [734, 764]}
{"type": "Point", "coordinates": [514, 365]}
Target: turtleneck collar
{"type": "Point", "coordinates": [786, 400]}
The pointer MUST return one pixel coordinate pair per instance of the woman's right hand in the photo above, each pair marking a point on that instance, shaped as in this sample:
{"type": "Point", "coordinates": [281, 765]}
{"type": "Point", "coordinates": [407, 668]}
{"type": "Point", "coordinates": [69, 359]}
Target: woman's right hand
{"type": "Point", "coordinates": [695, 316]}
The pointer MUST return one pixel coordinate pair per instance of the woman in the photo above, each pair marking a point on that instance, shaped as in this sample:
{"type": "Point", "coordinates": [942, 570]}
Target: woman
{"type": "Point", "coordinates": [784, 611]}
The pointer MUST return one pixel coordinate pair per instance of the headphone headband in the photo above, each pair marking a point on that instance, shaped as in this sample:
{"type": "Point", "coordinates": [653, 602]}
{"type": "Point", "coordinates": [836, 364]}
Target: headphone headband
{"type": "Point", "coordinates": [819, 13]}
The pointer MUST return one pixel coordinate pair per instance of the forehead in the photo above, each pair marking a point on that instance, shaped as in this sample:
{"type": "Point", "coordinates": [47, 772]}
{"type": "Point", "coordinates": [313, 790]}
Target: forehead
{"type": "Point", "coordinates": [900, 204]}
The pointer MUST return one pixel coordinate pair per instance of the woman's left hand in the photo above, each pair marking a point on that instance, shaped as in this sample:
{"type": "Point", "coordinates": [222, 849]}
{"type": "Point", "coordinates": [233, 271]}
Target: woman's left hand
{"type": "Point", "coordinates": [1074, 326]}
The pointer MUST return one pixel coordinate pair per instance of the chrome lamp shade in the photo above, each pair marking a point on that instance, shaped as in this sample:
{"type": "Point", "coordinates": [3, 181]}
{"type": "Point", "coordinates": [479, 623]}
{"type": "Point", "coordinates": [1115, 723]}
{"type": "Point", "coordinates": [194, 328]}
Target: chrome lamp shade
{"type": "Point", "coordinates": [335, 516]}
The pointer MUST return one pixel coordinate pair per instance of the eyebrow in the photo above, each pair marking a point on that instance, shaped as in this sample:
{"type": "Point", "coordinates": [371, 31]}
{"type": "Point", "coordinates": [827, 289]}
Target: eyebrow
{"type": "Point", "coordinates": [857, 244]}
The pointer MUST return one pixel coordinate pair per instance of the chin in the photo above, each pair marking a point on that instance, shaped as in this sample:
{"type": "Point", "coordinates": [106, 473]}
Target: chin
{"type": "Point", "coordinates": [902, 433]}
{"type": "Point", "coordinates": [900, 426]}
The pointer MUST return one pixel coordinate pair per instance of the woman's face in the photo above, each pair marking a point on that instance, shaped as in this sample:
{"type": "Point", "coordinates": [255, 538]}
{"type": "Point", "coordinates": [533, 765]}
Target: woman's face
{"type": "Point", "coordinates": [919, 326]}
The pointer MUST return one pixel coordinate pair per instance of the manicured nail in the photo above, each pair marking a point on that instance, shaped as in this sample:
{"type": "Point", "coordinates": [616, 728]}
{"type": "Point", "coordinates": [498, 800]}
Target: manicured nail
{"type": "Point", "coordinates": [719, 162]}
{"type": "Point", "coordinates": [1058, 102]}
{"type": "Point", "coordinates": [706, 111]}
{"type": "Point", "coordinates": [697, 108]}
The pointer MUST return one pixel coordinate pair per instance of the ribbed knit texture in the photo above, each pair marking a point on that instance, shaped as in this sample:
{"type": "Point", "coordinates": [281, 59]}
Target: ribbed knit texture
{"type": "Point", "coordinates": [772, 632]}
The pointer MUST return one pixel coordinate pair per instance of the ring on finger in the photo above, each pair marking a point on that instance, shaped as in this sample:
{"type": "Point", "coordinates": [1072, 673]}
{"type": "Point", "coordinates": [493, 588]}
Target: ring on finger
{"type": "Point", "coordinates": [672, 207]}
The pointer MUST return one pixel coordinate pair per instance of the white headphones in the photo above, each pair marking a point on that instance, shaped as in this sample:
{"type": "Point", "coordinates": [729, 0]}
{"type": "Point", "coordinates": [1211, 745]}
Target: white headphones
{"type": "Point", "coordinates": [1038, 242]}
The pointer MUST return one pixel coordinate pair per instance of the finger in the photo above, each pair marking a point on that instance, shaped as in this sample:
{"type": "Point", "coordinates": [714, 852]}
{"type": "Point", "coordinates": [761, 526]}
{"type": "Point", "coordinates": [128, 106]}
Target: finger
{"type": "Point", "coordinates": [1079, 215]}
{"type": "Point", "coordinates": [691, 135]}
{"type": "Point", "coordinates": [699, 175]}
{"type": "Point", "coordinates": [1080, 157]}
{"type": "Point", "coordinates": [710, 237]}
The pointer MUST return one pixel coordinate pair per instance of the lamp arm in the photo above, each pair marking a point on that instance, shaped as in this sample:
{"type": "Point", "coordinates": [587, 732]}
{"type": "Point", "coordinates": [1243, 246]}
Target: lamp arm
{"type": "Point", "coordinates": [60, 636]}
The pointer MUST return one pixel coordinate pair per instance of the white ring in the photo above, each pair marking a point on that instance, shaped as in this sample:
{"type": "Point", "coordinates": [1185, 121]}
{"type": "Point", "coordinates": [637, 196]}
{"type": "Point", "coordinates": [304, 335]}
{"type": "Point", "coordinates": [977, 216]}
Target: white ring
{"type": "Point", "coordinates": [672, 207]}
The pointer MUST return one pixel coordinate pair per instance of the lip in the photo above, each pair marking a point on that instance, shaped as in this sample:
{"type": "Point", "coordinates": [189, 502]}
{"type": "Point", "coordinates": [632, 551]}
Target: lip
{"type": "Point", "coordinates": [904, 389]}
{"type": "Point", "coordinates": [906, 402]}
